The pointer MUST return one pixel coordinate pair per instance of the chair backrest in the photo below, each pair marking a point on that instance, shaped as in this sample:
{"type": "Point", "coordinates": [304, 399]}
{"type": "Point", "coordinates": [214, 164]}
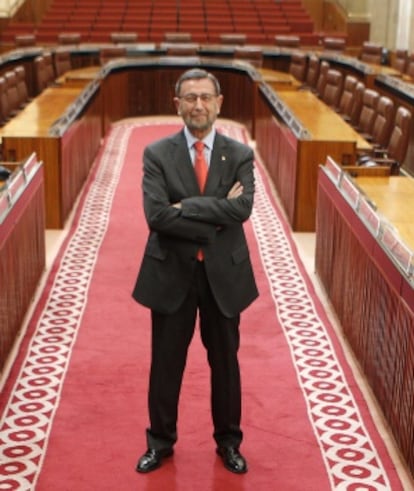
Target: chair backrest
{"type": "Point", "coordinates": [298, 65]}
{"type": "Point", "coordinates": [333, 88]}
{"type": "Point", "coordinates": [381, 129]}
{"type": "Point", "coordinates": [323, 70]}
{"type": "Point", "coordinates": [334, 44]}
{"type": "Point", "coordinates": [22, 91]}
{"type": "Point", "coordinates": [371, 53]}
{"type": "Point", "coordinates": [357, 104]}
{"type": "Point", "coordinates": [111, 53]}
{"type": "Point", "coordinates": [41, 75]}
{"type": "Point", "coordinates": [4, 101]}
{"type": "Point", "coordinates": [62, 61]}
{"type": "Point", "coordinates": [409, 67]}
{"type": "Point", "coordinates": [49, 68]}
{"type": "Point", "coordinates": [347, 96]}
{"type": "Point", "coordinates": [123, 37]}
{"type": "Point", "coordinates": [399, 60]}
{"type": "Point", "coordinates": [312, 72]}
{"type": "Point", "coordinates": [11, 90]}
{"type": "Point", "coordinates": [400, 135]}
{"type": "Point", "coordinates": [181, 49]}
{"type": "Point", "coordinates": [233, 38]}
{"type": "Point", "coordinates": [368, 111]}
{"type": "Point", "coordinates": [287, 41]}
{"type": "Point", "coordinates": [69, 37]}
{"type": "Point", "coordinates": [24, 40]}
{"type": "Point", "coordinates": [252, 54]}
{"type": "Point", "coordinates": [177, 37]}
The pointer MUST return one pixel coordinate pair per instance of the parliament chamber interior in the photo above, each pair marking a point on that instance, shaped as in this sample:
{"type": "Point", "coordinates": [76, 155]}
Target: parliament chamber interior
{"type": "Point", "coordinates": [328, 107]}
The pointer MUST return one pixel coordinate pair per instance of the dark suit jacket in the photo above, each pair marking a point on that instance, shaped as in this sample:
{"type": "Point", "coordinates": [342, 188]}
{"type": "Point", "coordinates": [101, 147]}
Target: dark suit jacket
{"type": "Point", "coordinates": [211, 221]}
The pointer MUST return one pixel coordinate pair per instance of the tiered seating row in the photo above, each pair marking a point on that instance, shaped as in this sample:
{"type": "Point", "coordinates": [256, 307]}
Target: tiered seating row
{"type": "Point", "coordinates": [14, 94]}
{"type": "Point", "coordinates": [381, 122]}
{"type": "Point", "coordinates": [206, 20]}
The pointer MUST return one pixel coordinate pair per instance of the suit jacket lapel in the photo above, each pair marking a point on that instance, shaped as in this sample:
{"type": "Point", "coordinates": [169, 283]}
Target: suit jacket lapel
{"type": "Point", "coordinates": [219, 158]}
{"type": "Point", "coordinates": [183, 164]}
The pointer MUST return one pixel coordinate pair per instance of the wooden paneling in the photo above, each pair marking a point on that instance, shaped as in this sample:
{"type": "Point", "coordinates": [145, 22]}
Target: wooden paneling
{"type": "Point", "coordinates": [148, 89]}
{"type": "Point", "coordinates": [22, 259]}
{"type": "Point", "coordinates": [78, 148]}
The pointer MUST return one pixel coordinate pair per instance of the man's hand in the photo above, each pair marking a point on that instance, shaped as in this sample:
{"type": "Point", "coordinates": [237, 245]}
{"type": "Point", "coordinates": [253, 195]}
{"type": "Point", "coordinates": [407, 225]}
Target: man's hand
{"type": "Point", "coordinates": [235, 191]}
{"type": "Point", "coordinates": [176, 205]}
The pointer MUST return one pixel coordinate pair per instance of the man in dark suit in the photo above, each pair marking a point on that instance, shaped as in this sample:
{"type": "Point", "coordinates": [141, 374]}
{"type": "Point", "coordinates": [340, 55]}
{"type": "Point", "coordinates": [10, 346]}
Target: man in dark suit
{"type": "Point", "coordinates": [196, 259]}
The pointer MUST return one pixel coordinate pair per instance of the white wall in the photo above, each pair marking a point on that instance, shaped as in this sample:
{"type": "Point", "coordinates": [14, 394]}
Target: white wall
{"type": "Point", "coordinates": [8, 7]}
{"type": "Point", "coordinates": [391, 20]}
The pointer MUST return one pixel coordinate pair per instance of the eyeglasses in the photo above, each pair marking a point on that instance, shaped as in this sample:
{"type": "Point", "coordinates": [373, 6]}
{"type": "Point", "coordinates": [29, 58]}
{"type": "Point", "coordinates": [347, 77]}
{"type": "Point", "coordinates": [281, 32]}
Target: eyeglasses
{"type": "Point", "coordinates": [192, 98]}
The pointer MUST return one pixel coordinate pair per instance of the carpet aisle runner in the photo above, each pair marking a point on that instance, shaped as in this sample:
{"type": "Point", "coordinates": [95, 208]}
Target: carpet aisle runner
{"type": "Point", "coordinates": [74, 408]}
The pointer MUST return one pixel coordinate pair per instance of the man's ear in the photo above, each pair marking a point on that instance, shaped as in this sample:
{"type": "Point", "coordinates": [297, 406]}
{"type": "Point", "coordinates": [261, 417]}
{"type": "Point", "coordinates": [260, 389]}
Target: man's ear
{"type": "Point", "coordinates": [219, 103]}
{"type": "Point", "coordinates": [177, 105]}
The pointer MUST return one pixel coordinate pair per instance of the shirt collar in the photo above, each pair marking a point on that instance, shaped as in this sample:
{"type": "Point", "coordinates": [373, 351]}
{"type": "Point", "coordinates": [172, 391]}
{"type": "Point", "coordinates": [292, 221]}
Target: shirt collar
{"type": "Point", "coordinates": [207, 140]}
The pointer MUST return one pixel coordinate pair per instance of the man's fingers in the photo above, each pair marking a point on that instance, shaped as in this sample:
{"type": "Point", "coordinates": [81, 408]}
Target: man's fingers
{"type": "Point", "coordinates": [235, 191]}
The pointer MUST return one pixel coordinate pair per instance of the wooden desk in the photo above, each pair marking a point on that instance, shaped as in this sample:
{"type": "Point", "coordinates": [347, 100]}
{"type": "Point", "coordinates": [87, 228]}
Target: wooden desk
{"type": "Point", "coordinates": [22, 247]}
{"type": "Point", "coordinates": [63, 125]}
{"type": "Point", "coordinates": [394, 198]}
{"type": "Point", "coordinates": [80, 76]}
{"type": "Point", "coordinates": [37, 117]}
{"type": "Point", "coordinates": [295, 132]}
{"type": "Point", "coordinates": [279, 80]}
{"type": "Point", "coordinates": [321, 121]}
{"type": "Point", "coordinates": [371, 292]}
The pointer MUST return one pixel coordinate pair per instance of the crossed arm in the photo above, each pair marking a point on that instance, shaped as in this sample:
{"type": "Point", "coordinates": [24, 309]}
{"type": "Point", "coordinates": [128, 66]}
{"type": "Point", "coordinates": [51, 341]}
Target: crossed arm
{"type": "Point", "coordinates": [235, 192]}
{"type": "Point", "coordinates": [196, 218]}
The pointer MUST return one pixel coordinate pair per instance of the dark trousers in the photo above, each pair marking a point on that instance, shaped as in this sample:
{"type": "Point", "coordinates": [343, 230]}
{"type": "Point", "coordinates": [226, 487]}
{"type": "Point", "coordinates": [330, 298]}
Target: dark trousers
{"type": "Point", "coordinates": [171, 337]}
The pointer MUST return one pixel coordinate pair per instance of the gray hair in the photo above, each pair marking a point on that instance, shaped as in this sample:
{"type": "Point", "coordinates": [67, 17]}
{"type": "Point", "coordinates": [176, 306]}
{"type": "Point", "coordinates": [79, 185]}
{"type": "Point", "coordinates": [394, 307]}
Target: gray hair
{"type": "Point", "coordinates": [197, 74]}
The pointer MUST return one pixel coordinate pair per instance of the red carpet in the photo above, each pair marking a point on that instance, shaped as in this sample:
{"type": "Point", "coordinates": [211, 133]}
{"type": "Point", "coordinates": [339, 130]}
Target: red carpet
{"type": "Point", "coordinates": [74, 408]}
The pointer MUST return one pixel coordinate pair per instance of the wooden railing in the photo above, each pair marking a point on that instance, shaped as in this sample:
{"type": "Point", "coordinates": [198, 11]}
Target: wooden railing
{"type": "Point", "coordinates": [367, 269]}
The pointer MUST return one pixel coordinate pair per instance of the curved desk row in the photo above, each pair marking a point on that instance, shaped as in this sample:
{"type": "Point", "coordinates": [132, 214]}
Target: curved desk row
{"type": "Point", "coordinates": [78, 112]}
{"type": "Point", "coordinates": [364, 258]}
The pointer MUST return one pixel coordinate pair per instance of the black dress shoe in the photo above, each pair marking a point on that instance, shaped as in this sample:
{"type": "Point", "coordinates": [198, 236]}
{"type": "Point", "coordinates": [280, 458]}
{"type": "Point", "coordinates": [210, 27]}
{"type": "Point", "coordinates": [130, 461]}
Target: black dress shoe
{"type": "Point", "coordinates": [152, 459]}
{"type": "Point", "coordinates": [233, 460]}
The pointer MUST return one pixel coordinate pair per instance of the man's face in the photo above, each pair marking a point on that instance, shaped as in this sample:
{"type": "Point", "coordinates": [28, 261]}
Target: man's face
{"type": "Point", "coordinates": [198, 105]}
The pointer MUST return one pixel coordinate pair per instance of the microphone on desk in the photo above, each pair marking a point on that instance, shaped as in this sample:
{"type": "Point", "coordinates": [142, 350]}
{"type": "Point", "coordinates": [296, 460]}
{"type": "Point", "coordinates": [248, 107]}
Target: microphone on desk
{"type": "Point", "coordinates": [4, 173]}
